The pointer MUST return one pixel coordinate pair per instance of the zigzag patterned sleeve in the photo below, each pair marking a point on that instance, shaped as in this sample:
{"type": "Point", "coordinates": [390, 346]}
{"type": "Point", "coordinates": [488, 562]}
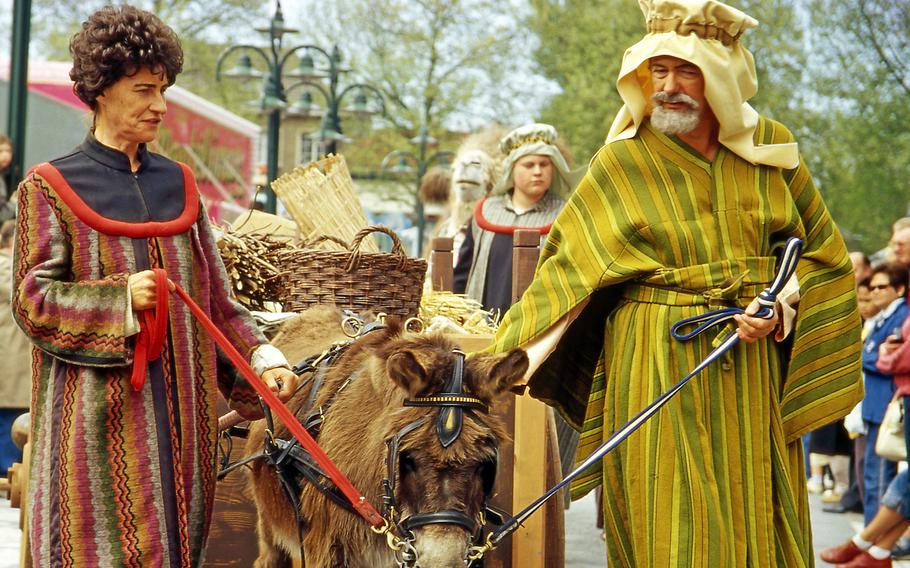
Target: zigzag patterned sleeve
{"type": "Point", "coordinates": [78, 321]}
{"type": "Point", "coordinates": [235, 321]}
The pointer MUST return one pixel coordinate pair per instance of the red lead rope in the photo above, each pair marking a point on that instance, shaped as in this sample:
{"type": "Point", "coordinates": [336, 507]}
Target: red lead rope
{"type": "Point", "coordinates": [152, 333]}
{"type": "Point", "coordinates": [358, 501]}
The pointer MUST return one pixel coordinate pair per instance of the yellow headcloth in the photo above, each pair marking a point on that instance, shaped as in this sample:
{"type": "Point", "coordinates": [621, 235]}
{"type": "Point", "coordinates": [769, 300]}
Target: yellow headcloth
{"type": "Point", "coordinates": [705, 33]}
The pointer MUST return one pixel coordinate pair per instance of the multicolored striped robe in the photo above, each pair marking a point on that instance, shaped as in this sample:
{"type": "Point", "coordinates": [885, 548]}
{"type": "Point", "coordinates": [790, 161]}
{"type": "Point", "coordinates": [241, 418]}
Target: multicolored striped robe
{"type": "Point", "coordinates": [653, 234]}
{"type": "Point", "coordinates": [120, 477]}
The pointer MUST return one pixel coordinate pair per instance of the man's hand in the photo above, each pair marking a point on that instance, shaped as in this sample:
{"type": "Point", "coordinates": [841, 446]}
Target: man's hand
{"type": "Point", "coordinates": [751, 328]}
{"type": "Point", "coordinates": [281, 381]}
{"type": "Point", "coordinates": [142, 290]}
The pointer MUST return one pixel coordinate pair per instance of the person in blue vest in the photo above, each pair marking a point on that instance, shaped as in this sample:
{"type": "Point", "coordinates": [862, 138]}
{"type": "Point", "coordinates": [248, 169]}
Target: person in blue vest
{"type": "Point", "coordinates": [888, 286]}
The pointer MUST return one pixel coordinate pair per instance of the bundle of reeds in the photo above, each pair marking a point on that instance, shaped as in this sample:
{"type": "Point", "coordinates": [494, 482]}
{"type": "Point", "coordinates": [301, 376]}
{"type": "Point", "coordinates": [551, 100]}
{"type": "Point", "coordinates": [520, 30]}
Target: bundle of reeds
{"type": "Point", "coordinates": [321, 199]}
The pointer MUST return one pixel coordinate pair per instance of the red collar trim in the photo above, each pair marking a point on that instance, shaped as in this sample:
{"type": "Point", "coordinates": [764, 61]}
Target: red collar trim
{"type": "Point", "coordinates": [486, 225]}
{"type": "Point", "coordinates": [124, 228]}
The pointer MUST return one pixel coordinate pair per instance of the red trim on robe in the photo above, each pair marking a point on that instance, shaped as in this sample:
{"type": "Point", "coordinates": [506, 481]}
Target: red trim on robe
{"type": "Point", "coordinates": [125, 228]}
{"type": "Point", "coordinates": [506, 229]}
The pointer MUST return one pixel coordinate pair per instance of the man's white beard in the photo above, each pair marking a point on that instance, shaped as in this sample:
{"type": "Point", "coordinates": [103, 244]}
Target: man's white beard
{"type": "Point", "coordinates": [675, 122]}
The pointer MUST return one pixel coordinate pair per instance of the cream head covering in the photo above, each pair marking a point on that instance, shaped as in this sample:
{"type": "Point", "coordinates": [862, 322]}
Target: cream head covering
{"type": "Point", "coordinates": [538, 140]}
{"type": "Point", "coordinates": [705, 33]}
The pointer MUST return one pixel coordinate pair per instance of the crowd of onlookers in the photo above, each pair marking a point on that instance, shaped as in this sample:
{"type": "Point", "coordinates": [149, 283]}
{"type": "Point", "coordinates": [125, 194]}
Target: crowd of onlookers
{"type": "Point", "coordinates": [843, 463]}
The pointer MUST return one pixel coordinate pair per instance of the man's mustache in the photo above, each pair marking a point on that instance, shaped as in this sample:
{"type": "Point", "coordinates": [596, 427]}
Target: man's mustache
{"type": "Point", "coordinates": [662, 97]}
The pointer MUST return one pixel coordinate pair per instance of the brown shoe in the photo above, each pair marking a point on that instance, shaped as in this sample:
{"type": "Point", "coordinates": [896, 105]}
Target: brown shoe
{"type": "Point", "coordinates": [866, 560]}
{"type": "Point", "coordinates": [841, 553]}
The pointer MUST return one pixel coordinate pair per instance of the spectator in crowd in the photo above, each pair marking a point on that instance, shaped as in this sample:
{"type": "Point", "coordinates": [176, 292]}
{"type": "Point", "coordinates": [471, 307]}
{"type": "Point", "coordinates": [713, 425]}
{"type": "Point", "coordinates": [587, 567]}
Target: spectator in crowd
{"type": "Point", "coordinates": [862, 268]}
{"type": "Point", "coordinates": [888, 286]}
{"type": "Point", "coordinates": [867, 306]}
{"type": "Point", "coordinates": [872, 547]}
{"type": "Point", "coordinates": [852, 500]}
{"type": "Point", "coordinates": [16, 380]}
{"type": "Point", "coordinates": [7, 204]}
{"type": "Point", "coordinates": [829, 448]}
{"type": "Point", "coordinates": [899, 245]}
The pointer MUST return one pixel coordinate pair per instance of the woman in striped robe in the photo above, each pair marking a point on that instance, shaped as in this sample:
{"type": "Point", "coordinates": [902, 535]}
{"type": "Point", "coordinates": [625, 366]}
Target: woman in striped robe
{"type": "Point", "coordinates": [123, 446]}
{"type": "Point", "coordinates": [664, 227]}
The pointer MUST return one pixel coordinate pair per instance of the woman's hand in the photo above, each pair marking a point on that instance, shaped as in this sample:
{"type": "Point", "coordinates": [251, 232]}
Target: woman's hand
{"type": "Point", "coordinates": [889, 345]}
{"type": "Point", "coordinates": [281, 381]}
{"type": "Point", "coordinates": [142, 290]}
{"type": "Point", "coordinates": [750, 329]}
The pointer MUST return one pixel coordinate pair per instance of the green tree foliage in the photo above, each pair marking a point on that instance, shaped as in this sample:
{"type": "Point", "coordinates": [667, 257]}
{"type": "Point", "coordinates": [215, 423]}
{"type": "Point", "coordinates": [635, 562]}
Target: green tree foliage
{"type": "Point", "coordinates": [860, 147]}
{"type": "Point", "coordinates": [55, 21]}
{"type": "Point", "coordinates": [581, 47]}
{"type": "Point", "coordinates": [443, 64]}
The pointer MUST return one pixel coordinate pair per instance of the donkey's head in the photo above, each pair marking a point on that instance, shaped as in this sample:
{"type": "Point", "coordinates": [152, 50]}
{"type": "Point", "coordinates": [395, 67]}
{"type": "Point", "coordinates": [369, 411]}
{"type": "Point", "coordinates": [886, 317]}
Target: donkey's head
{"type": "Point", "coordinates": [442, 442]}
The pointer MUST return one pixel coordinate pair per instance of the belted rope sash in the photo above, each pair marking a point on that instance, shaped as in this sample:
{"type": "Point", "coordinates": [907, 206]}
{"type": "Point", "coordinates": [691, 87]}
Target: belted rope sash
{"type": "Point", "coordinates": [766, 299]}
{"type": "Point", "coordinates": [148, 348]}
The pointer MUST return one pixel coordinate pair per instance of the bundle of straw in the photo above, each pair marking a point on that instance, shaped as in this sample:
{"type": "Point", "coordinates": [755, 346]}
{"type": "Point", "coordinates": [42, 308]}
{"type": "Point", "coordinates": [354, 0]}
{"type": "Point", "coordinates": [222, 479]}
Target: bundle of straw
{"type": "Point", "coordinates": [465, 313]}
{"type": "Point", "coordinates": [320, 197]}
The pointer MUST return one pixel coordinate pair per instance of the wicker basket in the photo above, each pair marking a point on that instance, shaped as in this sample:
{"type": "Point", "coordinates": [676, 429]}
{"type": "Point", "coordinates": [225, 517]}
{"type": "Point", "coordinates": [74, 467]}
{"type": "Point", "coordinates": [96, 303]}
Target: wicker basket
{"type": "Point", "coordinates": [362, 281]}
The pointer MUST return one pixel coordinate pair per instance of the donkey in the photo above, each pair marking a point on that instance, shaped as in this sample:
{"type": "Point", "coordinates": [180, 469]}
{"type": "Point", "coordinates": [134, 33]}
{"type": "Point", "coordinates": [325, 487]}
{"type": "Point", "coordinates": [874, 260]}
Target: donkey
{"type": "Point", "coordinates": [436, 476]}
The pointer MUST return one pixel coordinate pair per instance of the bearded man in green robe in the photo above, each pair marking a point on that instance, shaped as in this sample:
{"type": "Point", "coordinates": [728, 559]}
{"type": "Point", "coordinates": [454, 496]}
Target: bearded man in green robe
{"type": "Point", "coordinates": [682, 211]}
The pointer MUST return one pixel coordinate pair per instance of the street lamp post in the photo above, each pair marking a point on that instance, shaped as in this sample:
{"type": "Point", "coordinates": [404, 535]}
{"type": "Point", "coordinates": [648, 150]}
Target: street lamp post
{"type": "Point", "coordinates": [332, 95]}
{"type": "Point", "coordinates": [274, 96]}
{"type": "Point", "coordinates": [421, 163]}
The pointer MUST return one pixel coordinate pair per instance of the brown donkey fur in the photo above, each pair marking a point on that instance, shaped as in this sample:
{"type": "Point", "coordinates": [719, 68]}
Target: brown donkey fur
{"type": "Point", "coordinates": [386, 367]}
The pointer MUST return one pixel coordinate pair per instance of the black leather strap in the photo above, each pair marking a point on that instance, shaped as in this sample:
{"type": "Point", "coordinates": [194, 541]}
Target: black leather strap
{"type": "Point", "coordinates": [391, 462]}
{"type": "Point", "coordinates": [446, 517]}
{"type": "Point", "coordinates": [451, 417]}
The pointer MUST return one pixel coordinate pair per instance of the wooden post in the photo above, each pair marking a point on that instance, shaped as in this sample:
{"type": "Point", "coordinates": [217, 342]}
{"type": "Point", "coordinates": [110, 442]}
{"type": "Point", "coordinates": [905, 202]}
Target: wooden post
{"type": "Point", "coordinates": [232, 536]}
{"type": "Point", "coordinates": [533, 545]}
{"type": "Point", "coordinates": [25, 551]}
{"type": "Point", "coordinates": [525, 252]}
{"type": "Point", "coordinates": [441, 258]}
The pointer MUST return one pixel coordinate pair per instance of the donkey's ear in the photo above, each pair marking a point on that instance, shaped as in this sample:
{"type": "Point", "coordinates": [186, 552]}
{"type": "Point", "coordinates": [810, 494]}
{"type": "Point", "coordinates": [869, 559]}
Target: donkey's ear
{"type": "Point", "coordinates": [407, 372]}
{"type": "Point", "coordinates": [509, 369]}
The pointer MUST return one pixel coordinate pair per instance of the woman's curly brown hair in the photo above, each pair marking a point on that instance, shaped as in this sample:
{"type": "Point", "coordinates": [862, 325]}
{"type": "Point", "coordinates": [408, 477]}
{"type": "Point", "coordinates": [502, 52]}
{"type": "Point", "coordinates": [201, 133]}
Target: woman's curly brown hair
{"type": "Point", "coordinates": [117, 41]}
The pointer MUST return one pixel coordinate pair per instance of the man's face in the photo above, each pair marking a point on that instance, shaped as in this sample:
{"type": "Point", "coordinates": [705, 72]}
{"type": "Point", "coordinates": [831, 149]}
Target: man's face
{"type": "Point", "coordinates": [533, 175]}
{"type": "Point", "coordinates": [900, 246]}
{"type": "Point", "coordinates": [882, 292]}
{"type": "Point", "coordinates": [679, 95]}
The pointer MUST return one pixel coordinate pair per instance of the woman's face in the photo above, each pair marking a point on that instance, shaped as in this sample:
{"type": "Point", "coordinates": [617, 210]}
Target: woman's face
{"type": "Point", "coordinates": [867, 308]}
{"type": "Point", "coordinates": [131, 110]}
{"type": "Point", "coordinates": [6, 155]}
{"type": "Point", "coordinates": [883, 293]}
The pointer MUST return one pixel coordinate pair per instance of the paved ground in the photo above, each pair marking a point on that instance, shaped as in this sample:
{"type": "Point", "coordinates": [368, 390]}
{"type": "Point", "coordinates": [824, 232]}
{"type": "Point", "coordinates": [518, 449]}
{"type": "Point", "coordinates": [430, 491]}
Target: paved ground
{"type": "Point", "coordinates": [584, 547]}
{"type": "Point", "coordinates": [9, 535]}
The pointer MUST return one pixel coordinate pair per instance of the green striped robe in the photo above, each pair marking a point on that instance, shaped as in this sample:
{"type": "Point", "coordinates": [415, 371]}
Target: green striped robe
{"type": "Point", "coordinates": [656, 233]}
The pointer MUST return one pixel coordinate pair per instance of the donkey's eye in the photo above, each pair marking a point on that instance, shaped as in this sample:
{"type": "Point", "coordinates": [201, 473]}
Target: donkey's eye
{"type": "Point", "coordinates": [406, 464]}
{"type": "Point", "coordinates": [486, 470]}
